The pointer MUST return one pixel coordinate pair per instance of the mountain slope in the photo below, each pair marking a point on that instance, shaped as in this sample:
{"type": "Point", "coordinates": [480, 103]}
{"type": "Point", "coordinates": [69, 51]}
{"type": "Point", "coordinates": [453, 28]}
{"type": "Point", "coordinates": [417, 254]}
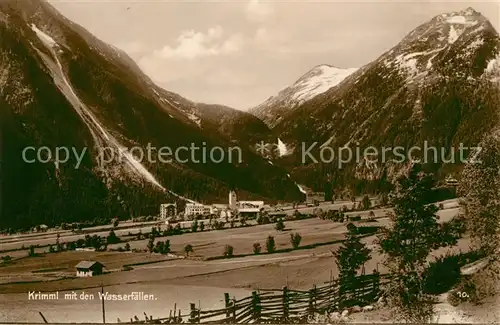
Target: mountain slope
{"type": "Point", "coordinates": [240, 127]}
{"type": "Point", "coordinates": [439, 84]}
{"type": "Point", "coordinates": [62, 87]}
{"type": "Point", "coordinates": [318, 80]}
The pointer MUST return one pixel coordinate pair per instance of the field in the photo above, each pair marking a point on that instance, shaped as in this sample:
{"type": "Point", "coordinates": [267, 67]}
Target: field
{"type": "Point", "coordinates": [176, 279]}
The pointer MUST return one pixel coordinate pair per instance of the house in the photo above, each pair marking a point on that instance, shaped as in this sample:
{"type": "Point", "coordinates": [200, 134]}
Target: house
{"type": "Point", "coordinates": [192, 209]}
{"type": "Point", "coordinates": [168, 210]}
{"type": "Point", "coordinates": [249, 213]}
{"type": "Point", "coordinates": [88, 268]}
{"type": "Point", "coordinates": [250, 204]}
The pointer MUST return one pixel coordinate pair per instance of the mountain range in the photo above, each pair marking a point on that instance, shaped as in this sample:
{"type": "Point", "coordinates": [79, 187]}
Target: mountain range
{"type": "Point", "coordinates": [439, 85]}
{"type": "Point", "coordinates": [62, 87]}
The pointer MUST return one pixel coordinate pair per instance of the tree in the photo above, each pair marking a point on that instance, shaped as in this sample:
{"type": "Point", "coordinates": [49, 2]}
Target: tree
{"type": "Point", "coordinates": [6, 259]}
{"type": "Point", "coordinates": [31, 251]}
{"type": "Point", "coordinates": [280, 225]}
{"type": "Point", "coordinates": [188, 249]}
{"type": "Point", "coordinates": [256, 248]}
{"type": "Point", "coordinates": [366, 203]}
{"type": "Point", "coordinates": [194, 225]}
{"type": "Point", "coordinates": [384, 199]}
{"type": "Point", "coordinates": [166, 247]}
{"type": "Point", "coordinates": [407, 243]}
{"type": "Point", "coordinates": [480, 188]}
{"type": "Point", "coordinates": [349, 258]}
{"type": "Point", "coordinates": [112, 238]}
{"type": "Point", "coordinates": [270, 244]}
{"type": "Point", "coordinates": [351, 228]}
{"type": "Point", "coordinates": [116, 222]}
{"type": "Point", "coordinates": [58, 244]}
{"type": "Point", "coordinates": [295, 239]}
{"type": "Point", "coordinates": [151, 244]}
{"type": "Point", "coordinates": [228, 251]}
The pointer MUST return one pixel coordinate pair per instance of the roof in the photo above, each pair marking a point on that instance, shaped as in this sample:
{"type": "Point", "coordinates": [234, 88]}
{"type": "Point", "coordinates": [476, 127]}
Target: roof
{"type": "Point", "coordinates": [252, 202]}
{"type": "Point", "coordinates": [87, 264]}
{"type": "Point", "coordinates": [249, 210]}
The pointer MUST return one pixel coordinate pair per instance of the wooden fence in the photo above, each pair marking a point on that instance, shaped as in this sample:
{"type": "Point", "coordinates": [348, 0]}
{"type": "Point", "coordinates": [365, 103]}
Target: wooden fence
{"type": "Point", "coordinates": [284, 305]}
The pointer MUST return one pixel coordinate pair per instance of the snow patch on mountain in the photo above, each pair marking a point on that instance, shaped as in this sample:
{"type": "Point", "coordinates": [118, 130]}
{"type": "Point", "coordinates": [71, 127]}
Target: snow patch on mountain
{"type": "Point", "coordinates": [318, 81]}
{"type": "Point", "coordinates": [460, 20]}
{"type": "Point", "coordinates": [452, 35]}
{"type": "Point", "coordinates": [315, 82]}
{"type": "Point", "coordinates": [492, 69]}
{"type": "Point", "coordinates": [47, 40]}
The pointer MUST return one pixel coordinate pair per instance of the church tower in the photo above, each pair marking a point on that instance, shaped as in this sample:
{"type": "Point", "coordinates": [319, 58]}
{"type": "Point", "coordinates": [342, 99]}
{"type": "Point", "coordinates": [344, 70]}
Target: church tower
{"type": "Point", "coordinates": [232, 200]}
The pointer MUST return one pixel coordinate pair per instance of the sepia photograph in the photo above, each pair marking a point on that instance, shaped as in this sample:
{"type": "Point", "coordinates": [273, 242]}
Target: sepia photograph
{"type": "Point", "coordinates": [249, 162]}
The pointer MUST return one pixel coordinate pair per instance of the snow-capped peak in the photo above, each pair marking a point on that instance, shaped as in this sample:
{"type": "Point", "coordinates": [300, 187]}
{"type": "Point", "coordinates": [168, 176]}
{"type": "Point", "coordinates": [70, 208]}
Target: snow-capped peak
{"type": "Point", "coordinates": [315, 82]}
{"type": "Point", "coordinates": [319, 80]}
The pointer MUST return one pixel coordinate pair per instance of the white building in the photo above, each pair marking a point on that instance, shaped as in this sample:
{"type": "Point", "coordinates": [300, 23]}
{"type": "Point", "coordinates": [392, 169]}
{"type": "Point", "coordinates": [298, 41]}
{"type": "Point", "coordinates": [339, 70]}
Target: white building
{"type": "Point", "coordinates": [197, 208]}
{"type": "Point", "coordinates": [250, 204]}
{"type": "Point", "coordinates": [243, 206]}
{"type": "Point", "coordinates": [168, 210]}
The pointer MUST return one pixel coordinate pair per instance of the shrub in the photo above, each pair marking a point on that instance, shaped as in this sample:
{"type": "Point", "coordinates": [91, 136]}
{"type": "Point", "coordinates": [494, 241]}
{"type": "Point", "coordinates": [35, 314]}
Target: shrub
{"type": "Point", "coordinates": [218, 225]}
{"type": "Point", "coordinates": [127, 247]}
{"type": "Point", "coordinates": [270, 244]}
{"type": "Point", "coordinates": [188, 249]}
{"type": "Point", "coordinates": [228, 251]}
{"type": "Point", "coordinates": [352, 229]}
{"type": "Point", "coordinates": [263, 220]}
{"type": "Point", "coordinates": [112, 238]}
{"type": "Point", "coordinates": [454, 299]}
{"type": "Point", "coordinates": [441, 275]}
{"type": "Point", "coordinates": [295, 239]}
{"type": "Point", "coordinates": [280, 225]}
{"type": "Point", "coordinates": [256, 248]}
{"type": "Point", "coordinates": [6, 259]}
{"type": "Point", "coordinates": [151, 244]}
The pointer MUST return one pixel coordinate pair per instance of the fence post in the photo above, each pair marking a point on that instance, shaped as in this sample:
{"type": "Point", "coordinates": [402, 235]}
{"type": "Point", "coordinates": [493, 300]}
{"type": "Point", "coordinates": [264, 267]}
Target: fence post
{"type": "Point", "coordinates": [376, 285]}
{"type": "Point", "coordinates": [234, 311]}
{"type": "Point", "coordinates": [192, 314]}
{"type": "Point", "coordinates": [256, 307]}
{"type": "Point", "coordinates": [341, 283]}
{"type": "Point", "coordinates": [285, 303]}
{"type": "Point", "coordinates": [227, 304]}
{"type": "Point", "coordinates": [312, 300]}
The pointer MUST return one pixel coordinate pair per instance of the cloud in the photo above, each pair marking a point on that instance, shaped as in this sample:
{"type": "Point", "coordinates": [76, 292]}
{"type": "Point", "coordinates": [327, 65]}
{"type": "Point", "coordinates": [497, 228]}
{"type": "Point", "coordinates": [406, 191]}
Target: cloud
{"type": "Point", "coordinates": [258, 11]}
{"type": "Point", "coordinates": [192, 44]}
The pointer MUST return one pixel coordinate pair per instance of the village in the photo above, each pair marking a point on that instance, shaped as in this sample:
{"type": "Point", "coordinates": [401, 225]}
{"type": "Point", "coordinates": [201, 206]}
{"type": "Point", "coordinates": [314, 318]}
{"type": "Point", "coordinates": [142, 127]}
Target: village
{"type": "Point", "coordinates": [224, 247]}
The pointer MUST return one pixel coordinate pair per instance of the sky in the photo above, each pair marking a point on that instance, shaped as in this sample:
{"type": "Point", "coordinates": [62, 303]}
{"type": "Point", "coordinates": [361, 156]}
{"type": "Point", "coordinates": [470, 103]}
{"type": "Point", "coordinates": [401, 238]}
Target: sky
{"type": "Point", "coordinates": [240, 52]}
